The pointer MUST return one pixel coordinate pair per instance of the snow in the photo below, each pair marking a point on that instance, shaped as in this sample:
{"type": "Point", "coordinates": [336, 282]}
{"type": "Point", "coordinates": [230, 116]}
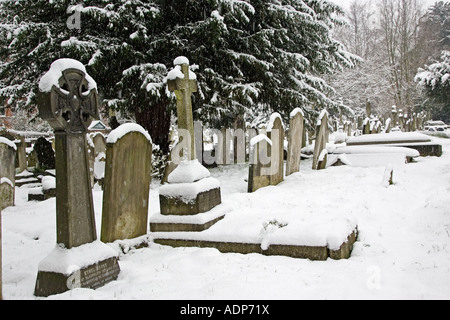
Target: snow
{"type": "Point", "coordinates": [295, 112]}
{"type": "Point", "coordinates": [188, 172]}
{"type": "Point", "coordinates": [7, 181]}
{"type": "Point", "coordinates": [8, 142]}
{"type": "Point", "coordinates": [188, 192]}
{"type": "Point", "coordinates": [272, 119]}
{"type": "Point", "coordinates": [393, 137]}
{"type": "Point", "coordinates": [401, 253]}
{"type": "Point", "coordinates": [375, 149]}
{"type": "Point", "coordinates": [180, 60]}
{"type": "Point", "coordinates": [51, 78]}
{"type": "Point", "coordinates": [48, 183]}
{"type": "Point", "coordinates": [65, 261]}
{"type": "Point", "coordinates": [122, 130]}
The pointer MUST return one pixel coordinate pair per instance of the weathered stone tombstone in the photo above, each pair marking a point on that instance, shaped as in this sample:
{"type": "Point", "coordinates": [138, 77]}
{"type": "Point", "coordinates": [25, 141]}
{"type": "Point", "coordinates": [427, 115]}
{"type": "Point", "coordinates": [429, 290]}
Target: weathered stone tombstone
{"type": "Point", "coordinates": [22, 154]}
{"type": "Point", "coordinates": [275, 132]}
{"type": "Point", "coordinates": [7, 172]}
{"type": "Point", "coordinates": [239, 139]}
{"type": "Point", "coordinates": [295, 141]}
{"type": "Point", "coordinates": [44, 154]}
{"type": "Point", "coordinates": [68, 100]}
{"type": "Point", "coordinates": [127, 183]}
{"type": "Point", "coordinates": [320, 156]}
{"type": "Point", "coordinates": [190, 189]}
{"type": "Point", "coordinates": [259, 168]}
{"type": "Point", "coordinates": [366, 126]}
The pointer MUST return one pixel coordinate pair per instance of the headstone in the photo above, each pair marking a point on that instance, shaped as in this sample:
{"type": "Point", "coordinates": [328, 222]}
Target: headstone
{"type": "Point", "coordinates": [239, 140]}
{"type": "Point", "coordinates": [275, 132]}
{"type": "Point", "coordinates": [68, 100]}
{"type": "Point", "coordinates": [7, 172]}
{"type": "Point", "coordinates": [127, 183]}
{"type": "Point", "coordinates": [22, 154]}
{"type": "Point", "coordinates": [44, 154]}
{"type": "Point", "coordinates": [366, 126]}
{"type": "Point", "coordinates": [224, 147]}
{"type": "Point", "coordinates": [190, 189]}
{"type": "Point", "coordinates": [295, 140]}
{"type": "Point", "coordinates": [321, 141]}
{"type": "Point", "coordinates": [259, 168]}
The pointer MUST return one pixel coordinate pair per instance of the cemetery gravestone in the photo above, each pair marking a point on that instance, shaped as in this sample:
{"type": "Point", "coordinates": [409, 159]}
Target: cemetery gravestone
{"type": "Point", "coordinates": [190, 189]}
{"type": "Point", "coordinates": [44, 154]}
{"type": "Point", "coordinates": [68, 101]}
{"type": "Point", "coordinates": [7, 172]}
{"type": "Point", "coordinates": [321, 142]}
{"type": "Point", "coordinates": [295, 140]}
{"type": "Point", "coordinates": [259, 168]}
{"type": "Point", "coordinates": [275, 132]}
{"type": "Point", "coordinates": [22, 154]}
{"type": "Point", "coordinates": [127, 183]}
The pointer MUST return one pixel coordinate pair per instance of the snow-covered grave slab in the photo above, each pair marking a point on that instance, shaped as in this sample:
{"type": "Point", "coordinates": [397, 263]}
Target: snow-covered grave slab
{"type": "Point", "coordinates": [413, 140]}
{"type": "Point", "coordinates": [371, 156]}
{"type": "Point", "coordinates": [316, 237]}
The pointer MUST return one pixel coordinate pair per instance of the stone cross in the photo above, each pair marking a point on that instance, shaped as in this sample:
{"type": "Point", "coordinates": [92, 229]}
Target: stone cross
{"type": "Point", "coordinates": [70, 108]}
{"type": "Point", "coordinates": [183, 82]}
{"type": "Point", "coordinates": [68, 101]}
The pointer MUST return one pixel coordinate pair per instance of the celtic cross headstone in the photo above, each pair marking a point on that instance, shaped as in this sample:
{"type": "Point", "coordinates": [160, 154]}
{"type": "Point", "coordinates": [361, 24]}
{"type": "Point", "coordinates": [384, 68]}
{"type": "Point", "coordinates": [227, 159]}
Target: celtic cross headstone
{"type": "Point", "coordinates": [68, 102]}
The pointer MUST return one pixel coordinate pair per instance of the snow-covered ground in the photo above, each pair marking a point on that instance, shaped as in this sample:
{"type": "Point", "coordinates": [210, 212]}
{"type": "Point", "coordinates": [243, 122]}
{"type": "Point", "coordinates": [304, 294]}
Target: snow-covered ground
{"type": "Point", "coordinates": [402, 251]}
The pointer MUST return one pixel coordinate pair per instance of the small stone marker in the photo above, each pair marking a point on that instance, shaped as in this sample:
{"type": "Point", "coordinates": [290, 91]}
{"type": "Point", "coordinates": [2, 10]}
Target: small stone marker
{"type": "Point", "coordinates": [7, 172]}
{"type": "Point", "coordinates": [275, 132]}
{"type": "Point", "coordinates": [68, 101]}
{"type": "Point", "coordinates": [295, 140]}
{"type": "Point", "coordinates": [321, 141]}
{"type": "Point", "coordinates": [127, 183]}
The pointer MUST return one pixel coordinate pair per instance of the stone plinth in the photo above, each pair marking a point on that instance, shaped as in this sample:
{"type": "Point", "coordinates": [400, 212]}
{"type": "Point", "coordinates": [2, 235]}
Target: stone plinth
{"type": "Point", "coordinates": [190, 191]}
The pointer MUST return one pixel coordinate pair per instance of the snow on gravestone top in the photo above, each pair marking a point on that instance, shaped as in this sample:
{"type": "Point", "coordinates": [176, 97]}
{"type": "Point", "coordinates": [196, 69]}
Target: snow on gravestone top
{"type": "Point", "coordinates": [8, 142]}
{"type": "Point", "coordinates": [121, 131]}
{"type": "Point", "coordinates": [189, 171]}
{"type": "Point", "coordinates": [176, 72]}
{"type": "Point", "coordinates": [295, 112]}
{"type": "Point", "coordinates": [51, 78]}
{"type": "Point", "coordinates": [272, 119]}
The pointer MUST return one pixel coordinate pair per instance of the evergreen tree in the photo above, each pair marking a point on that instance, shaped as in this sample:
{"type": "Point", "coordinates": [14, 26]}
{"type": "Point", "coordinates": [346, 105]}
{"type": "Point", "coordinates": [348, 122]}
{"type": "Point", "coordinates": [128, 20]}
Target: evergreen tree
{"type": "Point", "coordinates": [252, 57]}
{"type": "Point", "coordinates": [436, 81]}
